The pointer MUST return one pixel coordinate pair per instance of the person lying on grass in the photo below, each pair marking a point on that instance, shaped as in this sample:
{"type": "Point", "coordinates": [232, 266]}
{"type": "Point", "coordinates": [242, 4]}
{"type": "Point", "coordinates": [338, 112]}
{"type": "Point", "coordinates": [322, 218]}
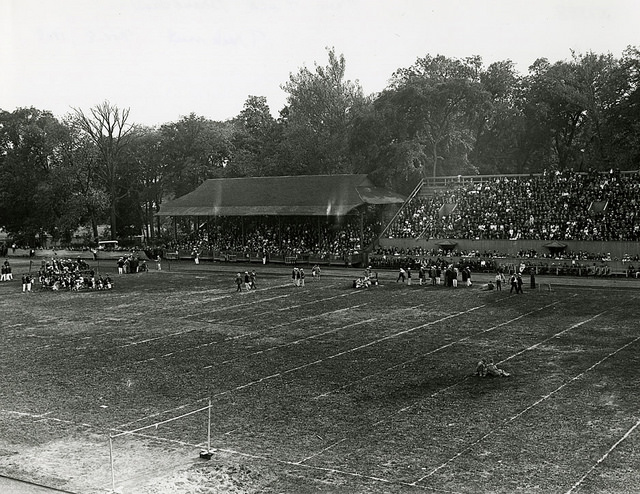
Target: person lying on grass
{"type": "Point", "coordinates": [489, 369]}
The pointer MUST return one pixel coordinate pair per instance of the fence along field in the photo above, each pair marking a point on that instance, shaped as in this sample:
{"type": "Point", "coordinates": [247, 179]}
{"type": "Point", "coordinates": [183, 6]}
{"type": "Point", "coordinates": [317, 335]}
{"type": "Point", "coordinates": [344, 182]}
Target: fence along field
{"type": "Point", "coordinates": [321, 388]}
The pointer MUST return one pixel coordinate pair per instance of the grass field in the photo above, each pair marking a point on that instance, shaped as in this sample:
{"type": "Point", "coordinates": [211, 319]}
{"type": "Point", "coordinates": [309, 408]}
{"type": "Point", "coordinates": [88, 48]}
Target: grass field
{"type": "Point", "coordinates": [319, 389]}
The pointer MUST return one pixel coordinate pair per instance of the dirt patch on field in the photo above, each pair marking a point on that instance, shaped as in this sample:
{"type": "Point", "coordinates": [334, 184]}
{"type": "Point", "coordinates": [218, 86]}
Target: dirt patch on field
{"type": "Point", "coordinates": [211, 478]}
{"type": "Point", "coordinates": [83, 465]}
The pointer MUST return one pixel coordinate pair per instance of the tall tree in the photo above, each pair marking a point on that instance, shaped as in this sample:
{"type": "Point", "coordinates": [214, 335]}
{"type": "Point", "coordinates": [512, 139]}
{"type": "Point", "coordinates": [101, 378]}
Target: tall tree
{"type": "Point", "coordinates": [500, 121]}
{"type": "Point", "coordinates": [82, 165]}
{"type": "Point", "coordinates": [566, 106]}
{"type": "Point", "coordinates": [424, 124]}
{"type": "Point", "coordinates": [144, 159]}
{"type": "Point", "coordinates": [77, 198]}
{"type": "Point", "coordinates": [440, 98]}
{"type": "Point", "coordinates": [318, 117]}
{"type": "Point", "coordinates": [380, 146]}
{"type": "Point", "coordinates": [194, 149]}
{"type": "Point", "coordinates": [108, 127]}
{"type": "Point", "coordinates": [255, 140]}
{"type": "Point", "coordinates": [31, 182]}
{"type": "Point", "coordinates": [621, 114]}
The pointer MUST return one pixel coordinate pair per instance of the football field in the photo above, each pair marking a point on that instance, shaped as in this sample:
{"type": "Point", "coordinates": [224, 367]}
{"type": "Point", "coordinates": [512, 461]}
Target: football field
{"type": "Point", "coordinates": [322, 388]}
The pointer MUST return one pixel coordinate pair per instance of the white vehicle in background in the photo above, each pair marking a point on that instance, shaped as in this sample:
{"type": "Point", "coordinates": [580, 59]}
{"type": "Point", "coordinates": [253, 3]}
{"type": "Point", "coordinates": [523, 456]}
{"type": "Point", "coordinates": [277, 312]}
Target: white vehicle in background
{"type": "Point", "coordinates": [107, 245]}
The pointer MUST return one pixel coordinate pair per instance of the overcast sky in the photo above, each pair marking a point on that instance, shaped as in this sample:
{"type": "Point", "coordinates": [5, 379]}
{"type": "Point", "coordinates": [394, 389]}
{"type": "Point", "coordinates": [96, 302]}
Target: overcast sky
{"type": "Point", "coordinates": [167, 58]}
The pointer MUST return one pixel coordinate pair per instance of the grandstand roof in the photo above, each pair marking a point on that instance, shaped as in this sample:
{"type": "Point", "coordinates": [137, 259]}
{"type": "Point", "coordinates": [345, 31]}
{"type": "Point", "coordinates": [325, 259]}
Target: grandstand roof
{"type": "Point", "coordinates": [304, 195]}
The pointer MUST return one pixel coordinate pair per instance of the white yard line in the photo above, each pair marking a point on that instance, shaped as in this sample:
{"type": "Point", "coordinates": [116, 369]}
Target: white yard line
{"type": "Point", "coordinates": [296, 342]}
{"type": "Point", "coordinates": [116, 308]}
{"type": "Point", "coordinates": [318, 453]}
{"type": "Point", "coordinates": [43, 417]}
{"type": "Point", "coordinates": [295, 369]}
{"type": "Point", "coordinates": [228, 307]}
{"type": "Point", "coordinates": [315, 316]}
{"type": "Point", "coordinates": [577, 485]}
{"type": "Point", "coordinates": [231, 338]}
{"type": "Point", "coordinates": [336, 471]}
{"type": "Point", "coordinates": [179, 333]}
{"type": "Point", "coordinates": [315, 301]}
{"type": "Point", "coordinates": [246, 385]}
{"type": "Point", "coordinates": [399, 333]}
{"type": "Point", "coordinates": [336, 355]}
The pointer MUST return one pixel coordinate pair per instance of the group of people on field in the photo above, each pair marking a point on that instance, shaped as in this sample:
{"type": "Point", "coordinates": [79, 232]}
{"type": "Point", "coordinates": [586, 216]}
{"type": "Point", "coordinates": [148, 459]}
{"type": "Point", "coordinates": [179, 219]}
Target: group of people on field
{"type": "Point", "coordinates": [434, 275]}
{"type": "Point", "coordinates": [369, 278]}
{"type": "Point", "coordinates": [248, 280]}
{"type": "Point", "coordinates": [297, 276]}
{"type": "Point", "coordinates": [6, 274]}
{"type": "Point", "coordinates": [132, 264]}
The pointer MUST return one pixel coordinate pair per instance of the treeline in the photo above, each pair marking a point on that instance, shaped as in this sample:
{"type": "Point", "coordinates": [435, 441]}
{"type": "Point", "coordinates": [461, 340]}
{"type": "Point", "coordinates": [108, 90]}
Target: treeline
{"type": "Point", "coordinates": [441, 116]}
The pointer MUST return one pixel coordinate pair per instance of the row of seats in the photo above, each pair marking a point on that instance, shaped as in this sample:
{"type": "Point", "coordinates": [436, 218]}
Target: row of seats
{"type": "Point", "coordinates": [552, 206]}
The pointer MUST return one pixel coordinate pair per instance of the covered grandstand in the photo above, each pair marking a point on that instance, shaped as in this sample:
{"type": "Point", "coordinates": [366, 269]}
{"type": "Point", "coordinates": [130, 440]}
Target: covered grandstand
{"type": "Point", "coordinates": [315, 200]}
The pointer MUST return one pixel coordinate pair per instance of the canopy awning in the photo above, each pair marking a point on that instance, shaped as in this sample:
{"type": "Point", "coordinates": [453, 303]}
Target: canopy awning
{"type": "Point", "coordinates": [555, 245]}
{"type": "Point", "coordinates": [304, 195]}
{"type": "Point", "coordinates": [447, 244]}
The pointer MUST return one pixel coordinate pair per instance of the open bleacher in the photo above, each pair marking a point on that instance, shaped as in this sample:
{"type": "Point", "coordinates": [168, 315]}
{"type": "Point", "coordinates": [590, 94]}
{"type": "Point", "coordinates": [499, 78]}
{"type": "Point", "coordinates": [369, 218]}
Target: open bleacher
{"type": "Point", "coordinates": [563, 221]}
{"type": "Point", "coordinates": [552, 206]}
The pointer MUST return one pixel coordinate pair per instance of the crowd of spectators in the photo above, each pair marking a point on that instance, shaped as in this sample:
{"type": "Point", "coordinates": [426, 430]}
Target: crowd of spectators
{"type": "Point", "coordinates": [552, 206]}
{"type": "Point", "coordinates": [284, 236]}
{"type": "Point", "coordinates": [633, 272]}
{"type": "Point", "coordinates": [439, 252]}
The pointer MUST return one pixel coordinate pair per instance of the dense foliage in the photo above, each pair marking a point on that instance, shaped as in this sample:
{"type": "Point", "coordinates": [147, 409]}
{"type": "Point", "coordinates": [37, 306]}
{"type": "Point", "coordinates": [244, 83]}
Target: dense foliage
{"type": "Point", "coordinates": [441, 116]}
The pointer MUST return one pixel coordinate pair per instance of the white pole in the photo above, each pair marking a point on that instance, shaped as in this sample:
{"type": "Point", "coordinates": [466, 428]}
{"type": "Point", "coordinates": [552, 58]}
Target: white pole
{"type": "Point", "coordinates": [209, 429]}
{"type": "Point", "coordinates": [113, 475]}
